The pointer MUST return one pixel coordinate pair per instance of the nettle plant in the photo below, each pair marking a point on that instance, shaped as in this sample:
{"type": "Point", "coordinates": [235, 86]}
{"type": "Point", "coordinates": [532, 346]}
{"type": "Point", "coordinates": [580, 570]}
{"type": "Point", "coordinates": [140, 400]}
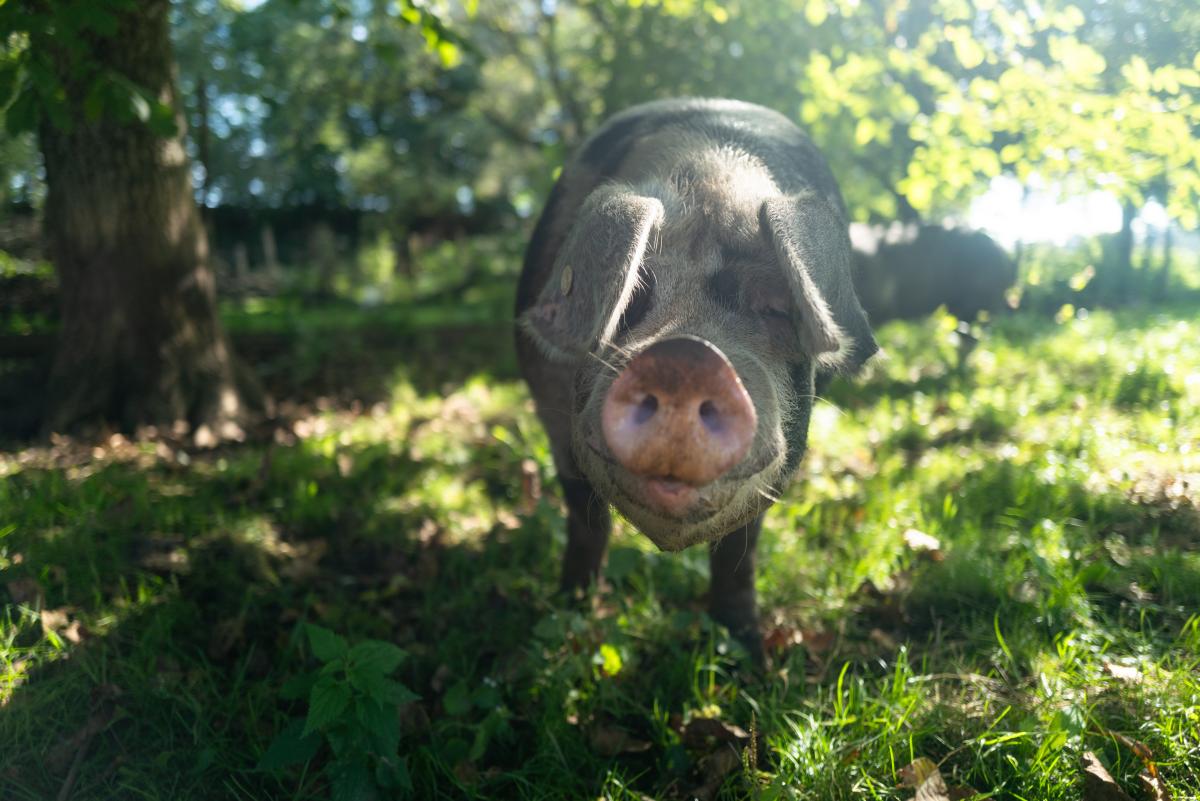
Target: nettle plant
{"type": "Point", "coordinates": [352, 708]}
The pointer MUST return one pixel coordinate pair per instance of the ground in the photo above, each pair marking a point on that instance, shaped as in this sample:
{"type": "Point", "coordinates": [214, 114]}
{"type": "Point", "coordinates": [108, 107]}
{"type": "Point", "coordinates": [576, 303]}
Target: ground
{"type": "Point", "coordinates": [995, 568]}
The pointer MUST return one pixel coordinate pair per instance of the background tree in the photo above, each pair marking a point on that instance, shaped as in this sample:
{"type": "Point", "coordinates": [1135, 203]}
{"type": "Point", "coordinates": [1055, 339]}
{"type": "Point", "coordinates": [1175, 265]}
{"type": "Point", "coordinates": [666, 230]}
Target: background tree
{"type": "Point", "coordinates": [140, 341]}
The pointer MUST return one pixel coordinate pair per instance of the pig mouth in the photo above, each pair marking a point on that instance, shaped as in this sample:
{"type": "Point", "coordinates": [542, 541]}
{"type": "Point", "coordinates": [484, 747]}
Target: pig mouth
{"type": "Point", "coordinates": [663, 495]}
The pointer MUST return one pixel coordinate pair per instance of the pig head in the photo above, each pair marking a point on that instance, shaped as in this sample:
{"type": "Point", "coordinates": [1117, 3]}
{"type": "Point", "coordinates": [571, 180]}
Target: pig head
{"type": "Point", "coordinates": [686, 286]}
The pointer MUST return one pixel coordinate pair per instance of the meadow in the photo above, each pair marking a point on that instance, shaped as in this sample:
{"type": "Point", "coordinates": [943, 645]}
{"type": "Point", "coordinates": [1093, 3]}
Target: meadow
{"type": "Point", "coordinates": [993, 568]}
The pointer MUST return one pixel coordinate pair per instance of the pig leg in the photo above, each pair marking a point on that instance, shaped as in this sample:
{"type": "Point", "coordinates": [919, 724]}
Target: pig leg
{"type": "Point", "coordinates": [589, 523]}
{"type": "Point", "coordinates": [731, 599]}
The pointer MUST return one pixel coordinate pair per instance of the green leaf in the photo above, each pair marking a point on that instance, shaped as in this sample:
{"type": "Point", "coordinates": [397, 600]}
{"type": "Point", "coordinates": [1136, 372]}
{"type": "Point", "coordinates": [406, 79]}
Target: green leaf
{"type": "Point", "coordinates": [457, 700]}
{"type": "Point", "coordinates": [291, 747]}
{"type": "Point", "coordinates": [23, 114]}
{"type": "Point", "coordinates": [140, 106]}
{"type": "Point", "coordinates": [326, 646]}
{"type": "Point", "coordinates": [298, 687]}
{"type": "Point", "coordinates": [609, 660]}
{"type": "Point", "coordinates": [382, 723]}
{"type": "Point", "coordinates": [352, 782]}
{"type": "Point", "coordinates": [328, 701]}
{"type": "Point", "coordinates": [375, 656]}
{"type": "Point", "coordinates": [10, 82]}
{"type": "Point", "coordinates": [162, 120]}
{"type": "Point", "coordinates": [380, 688]}
{"type": "Point", "coordinates": [392, 774]}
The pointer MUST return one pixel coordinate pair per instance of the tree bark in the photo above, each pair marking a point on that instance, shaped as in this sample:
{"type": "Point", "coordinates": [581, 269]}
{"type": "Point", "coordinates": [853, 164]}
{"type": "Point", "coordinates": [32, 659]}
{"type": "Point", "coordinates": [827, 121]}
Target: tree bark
{"type": "Point", "coordinates": [1123, 255]}
{"type": "Point", "coordinates": [140, 342]}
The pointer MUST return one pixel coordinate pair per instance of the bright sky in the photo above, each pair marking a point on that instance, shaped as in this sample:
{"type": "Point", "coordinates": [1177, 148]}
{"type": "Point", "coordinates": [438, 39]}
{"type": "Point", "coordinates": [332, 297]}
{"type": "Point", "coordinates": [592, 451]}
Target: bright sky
{"type": "Point", "coordinates": [1045, 217]}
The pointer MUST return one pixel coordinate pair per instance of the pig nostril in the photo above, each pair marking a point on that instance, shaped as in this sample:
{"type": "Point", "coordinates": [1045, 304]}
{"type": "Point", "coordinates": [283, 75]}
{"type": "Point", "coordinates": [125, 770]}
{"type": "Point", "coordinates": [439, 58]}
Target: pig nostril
{"type": "Point", "coordinates": [711, 418]}
{"type": "Point", "coordinates": [645, 410]}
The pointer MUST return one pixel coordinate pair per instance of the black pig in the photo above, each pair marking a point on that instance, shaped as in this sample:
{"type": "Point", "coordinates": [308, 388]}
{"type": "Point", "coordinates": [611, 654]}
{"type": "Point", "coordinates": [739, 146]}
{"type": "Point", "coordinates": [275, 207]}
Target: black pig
{"type": "Point", "coordinates": [685, 289]}
{"type": "Point", "coordinates": [903, 272]}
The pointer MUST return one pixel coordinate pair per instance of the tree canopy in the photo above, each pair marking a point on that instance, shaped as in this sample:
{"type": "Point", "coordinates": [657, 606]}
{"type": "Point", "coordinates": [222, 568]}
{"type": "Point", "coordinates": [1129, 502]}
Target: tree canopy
{"type": "Point", "coordinates": [415, 108]}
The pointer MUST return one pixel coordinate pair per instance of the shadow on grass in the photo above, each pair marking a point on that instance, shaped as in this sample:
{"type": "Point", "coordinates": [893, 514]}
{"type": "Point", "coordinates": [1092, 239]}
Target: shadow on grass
{"type": "Point", "coordinates": [350, 364]}
{"type": "Point", "coordinates": [193, 583]}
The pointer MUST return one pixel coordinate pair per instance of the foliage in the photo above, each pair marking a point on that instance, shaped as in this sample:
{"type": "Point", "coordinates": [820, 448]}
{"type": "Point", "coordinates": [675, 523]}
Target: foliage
{"type": "Point", "coordinates": [918, 105]}
{"type": "Point", "coordinates": [351, 705]}
{"type": "Point", "coordinates": [160, 597]}
{"type": "Point", "coordinates": [50, 59]}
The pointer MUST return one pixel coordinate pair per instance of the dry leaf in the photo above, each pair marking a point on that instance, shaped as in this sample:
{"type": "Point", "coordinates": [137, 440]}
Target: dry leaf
{"type": "Point", "coordinates": [920, 542]}
{"type": "Point", "coordinates": [1098, 785]}
{"type": "Point", "coordinates": [923, 774]}
{"type": "Point", "coordinates": [1122, 672]}
{"type": "Point", "coordinates": [703, 732]}
{"type": "Point", "coordinates": [608, 740]}
{"type": "Point", "coordinates": [1154, 786]}
{"type": "Point", "coordinates": [916, 772]}
{"type": "Point", "coordinates": [26, 591]}
{"type": "Point", "coordinates": [224, 636]}
{"type": "Point", "coordinates": [883, 639]}
{"type": "Point", "coordinates": [1140, 749]}
{"type": "Point", "coordinates": [717, 766]}
{"type": "Point", "coordinates": [782, 638]}
{"type": "Point", "coordinates": [531, 487]}
{"type": "Point", "coordinates": [55, 619]}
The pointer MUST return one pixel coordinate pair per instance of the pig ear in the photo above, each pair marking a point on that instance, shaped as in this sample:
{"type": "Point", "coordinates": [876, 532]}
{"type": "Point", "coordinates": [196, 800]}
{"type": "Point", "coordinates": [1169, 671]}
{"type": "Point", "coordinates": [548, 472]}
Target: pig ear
{"type": "Point", "coordinates": [594, 274]}
{"type": "Point", "coordinates": [812, 243]}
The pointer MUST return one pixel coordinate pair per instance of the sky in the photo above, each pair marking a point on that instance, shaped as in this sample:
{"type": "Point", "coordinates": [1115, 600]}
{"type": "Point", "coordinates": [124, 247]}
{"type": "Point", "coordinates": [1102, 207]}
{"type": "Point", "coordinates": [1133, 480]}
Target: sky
{"type": "Point", "coordinates": [1045, 217]}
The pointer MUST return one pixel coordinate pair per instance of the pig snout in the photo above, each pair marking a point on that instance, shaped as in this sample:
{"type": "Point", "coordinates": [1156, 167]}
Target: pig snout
{"type": "Point", "coordinates": [678, 417]}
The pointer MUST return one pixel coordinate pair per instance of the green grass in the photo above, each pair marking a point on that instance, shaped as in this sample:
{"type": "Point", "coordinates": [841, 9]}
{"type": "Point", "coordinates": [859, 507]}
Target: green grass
{"type": "Point", "coordinates": [1059, 475]}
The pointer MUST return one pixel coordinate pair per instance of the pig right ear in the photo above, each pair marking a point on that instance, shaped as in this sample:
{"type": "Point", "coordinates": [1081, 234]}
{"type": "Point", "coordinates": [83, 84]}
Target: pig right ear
{"type": "Point", "coordinates": [594, 274]}
{"type": "Point", "coordinates": [812, 243]}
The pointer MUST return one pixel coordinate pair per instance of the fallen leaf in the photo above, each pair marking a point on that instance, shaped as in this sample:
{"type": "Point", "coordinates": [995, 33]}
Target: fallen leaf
{"type": "Point", "coordinates": [54, 619]}
{"type": "Point", "coordinates": [608, 740]}
{"type": "Point", "coordinates": [1140, 749]}
{"type": "Point", "coordinates": [1153, 784]}
{"type": "Point", "coordinates": [716, 767]}
{"type": "Point", "coordinates": [920, 542]}
{"type": "Point", "coordinates": [531, 487]}
{"type": "Point", "coordinates": [883, 639]}
{"type": "Point", "coordinates": [923, 774]}
{"type": "Point", "coordinates": [703, 732]}
{"type": "Point", "coordinates": [1098, 785]}
{"type": "Point", "coordinates": [74, 632]}
{"type": "Point", "coordinates": [782, 638]}
{"type": "Point", "coordinates": [25, 591]}
{"type": "Point", "coordinates": [302, 558]}
{"type": "Point", "coordinates": [916, 772]}
{"type": "Point", "coordinates": [224, 636]}
{"type": "Point", "coordinates": [1122, 672]}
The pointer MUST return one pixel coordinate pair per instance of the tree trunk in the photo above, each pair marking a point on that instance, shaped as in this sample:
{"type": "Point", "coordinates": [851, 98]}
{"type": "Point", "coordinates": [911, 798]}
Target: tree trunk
{"type": "Point", "coordinates": [140, 341]}
{"type": "Point", "coordinates": [1164, 271]}
{"type": "Point", "coordinates": [1123, 255]}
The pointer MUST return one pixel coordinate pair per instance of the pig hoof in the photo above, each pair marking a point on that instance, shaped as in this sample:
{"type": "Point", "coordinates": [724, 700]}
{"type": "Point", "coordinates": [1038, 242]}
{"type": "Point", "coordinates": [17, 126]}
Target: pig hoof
{"type": "Point", "coordinates": [745, 630]}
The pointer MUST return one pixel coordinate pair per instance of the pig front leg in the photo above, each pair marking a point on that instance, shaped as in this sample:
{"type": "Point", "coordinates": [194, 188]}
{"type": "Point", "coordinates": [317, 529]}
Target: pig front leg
{"type": "Point", "coordinates": [731, 599]}
{"type": "Point", "coordinates": [589, 523]}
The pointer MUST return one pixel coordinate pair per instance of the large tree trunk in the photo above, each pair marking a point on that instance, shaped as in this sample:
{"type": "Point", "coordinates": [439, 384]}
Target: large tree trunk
{"type": "Point", "coordinates": [140, 340]}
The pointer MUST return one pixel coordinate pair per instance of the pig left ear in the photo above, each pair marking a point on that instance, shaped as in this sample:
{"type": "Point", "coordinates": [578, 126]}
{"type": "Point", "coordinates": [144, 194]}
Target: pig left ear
{"type": "Point", "coordinates": [594, 274]}
{"type": "Point", "coordinates": [812, 243]}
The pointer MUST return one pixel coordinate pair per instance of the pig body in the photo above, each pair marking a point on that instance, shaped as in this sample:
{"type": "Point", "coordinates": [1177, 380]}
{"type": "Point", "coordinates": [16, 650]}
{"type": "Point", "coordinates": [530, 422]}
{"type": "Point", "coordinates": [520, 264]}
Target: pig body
{"type": "Point", "coordinates": [904, 272]}
{"type": "Point", "coordinates": [687, 285]}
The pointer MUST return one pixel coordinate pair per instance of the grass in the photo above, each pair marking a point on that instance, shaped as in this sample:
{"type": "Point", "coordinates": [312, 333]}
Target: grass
{"type": "Point", "coordinates": [155, 637]}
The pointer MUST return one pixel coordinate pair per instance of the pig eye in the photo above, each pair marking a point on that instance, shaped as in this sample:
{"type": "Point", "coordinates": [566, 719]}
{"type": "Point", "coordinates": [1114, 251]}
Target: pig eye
{"type": "Point", "coordinates": [723, 289]}
{"type": "Point", "coordinates": [639, 302]}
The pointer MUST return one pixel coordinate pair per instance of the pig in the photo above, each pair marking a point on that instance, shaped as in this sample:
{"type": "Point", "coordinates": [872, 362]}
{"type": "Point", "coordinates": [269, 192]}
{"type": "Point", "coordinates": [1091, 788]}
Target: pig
{"type": "Point", "coordinates": [685, 291]}
{"type": "Point", "coordinates": [903, 272]}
